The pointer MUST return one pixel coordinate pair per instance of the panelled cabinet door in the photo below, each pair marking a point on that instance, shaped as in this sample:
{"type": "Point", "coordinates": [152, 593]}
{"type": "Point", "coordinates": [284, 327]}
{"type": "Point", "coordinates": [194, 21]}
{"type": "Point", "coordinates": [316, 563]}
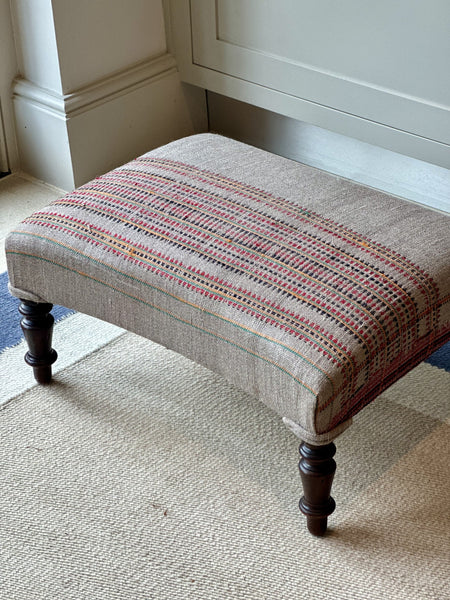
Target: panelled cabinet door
{"type": "Point", "coordinates": [378, 71]}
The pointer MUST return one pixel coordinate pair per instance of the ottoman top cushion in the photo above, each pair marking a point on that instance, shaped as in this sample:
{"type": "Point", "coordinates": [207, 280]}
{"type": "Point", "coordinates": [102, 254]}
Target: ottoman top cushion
{"type": "Point", "coordinates": [301, 287]}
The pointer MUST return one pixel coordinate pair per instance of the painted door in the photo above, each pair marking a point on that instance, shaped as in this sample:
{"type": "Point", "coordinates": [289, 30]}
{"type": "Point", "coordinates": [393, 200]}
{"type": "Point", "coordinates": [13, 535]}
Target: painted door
{"type": "Point", "coordinates": [377, 71]}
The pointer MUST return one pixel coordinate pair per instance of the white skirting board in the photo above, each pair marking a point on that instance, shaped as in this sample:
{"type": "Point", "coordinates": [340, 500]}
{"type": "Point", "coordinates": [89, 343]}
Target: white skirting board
{"type": "Point", "coordinates": [353, 159]}
{"type": "Point", "coordinates": [66, 140]}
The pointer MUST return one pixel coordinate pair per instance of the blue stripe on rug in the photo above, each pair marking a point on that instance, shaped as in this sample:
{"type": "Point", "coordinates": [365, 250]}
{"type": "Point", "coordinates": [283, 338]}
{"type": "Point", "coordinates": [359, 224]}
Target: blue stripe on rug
{"type": "Point", "coordinates": [11, 333]}
{"type": "Point", "coordinates": [441, 358]}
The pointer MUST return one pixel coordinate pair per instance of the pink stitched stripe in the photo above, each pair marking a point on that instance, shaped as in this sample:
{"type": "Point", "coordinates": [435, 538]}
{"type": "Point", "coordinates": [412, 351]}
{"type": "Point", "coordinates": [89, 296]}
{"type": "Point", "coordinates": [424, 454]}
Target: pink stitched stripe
{"type": "Point", "coordinates": [188, 219]}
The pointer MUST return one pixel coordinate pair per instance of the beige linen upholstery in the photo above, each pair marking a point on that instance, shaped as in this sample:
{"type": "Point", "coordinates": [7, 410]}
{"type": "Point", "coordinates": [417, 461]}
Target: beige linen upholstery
{"type": "Point", "coordinates": [306, 290]}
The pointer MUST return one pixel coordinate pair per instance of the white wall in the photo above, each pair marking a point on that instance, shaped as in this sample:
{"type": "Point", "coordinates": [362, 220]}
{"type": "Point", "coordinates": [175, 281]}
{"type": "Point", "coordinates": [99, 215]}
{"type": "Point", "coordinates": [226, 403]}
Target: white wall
{"type": "Point", "coordinates": [9, 158]}
{"type": "Point", "coordinates": [98, 37]}
{"type": "Point", "coordinates": [97, 87]}
{"type": "Point", "coordinates": [37, 53]}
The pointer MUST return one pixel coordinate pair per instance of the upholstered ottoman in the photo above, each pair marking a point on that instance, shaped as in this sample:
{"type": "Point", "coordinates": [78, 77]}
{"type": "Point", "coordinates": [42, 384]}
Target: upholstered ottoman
{"type": "Point", "coordinates": [306, 290]}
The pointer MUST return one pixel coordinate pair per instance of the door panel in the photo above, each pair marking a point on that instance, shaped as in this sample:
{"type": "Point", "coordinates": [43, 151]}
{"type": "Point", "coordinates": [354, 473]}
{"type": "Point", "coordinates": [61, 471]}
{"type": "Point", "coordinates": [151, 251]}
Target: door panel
{"type": "Point", "coordinates": [370, 60]}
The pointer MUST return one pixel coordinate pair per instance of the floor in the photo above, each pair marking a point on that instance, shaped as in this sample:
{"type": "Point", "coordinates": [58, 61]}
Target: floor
{"type": "Point", "coordinates": [20, 195]}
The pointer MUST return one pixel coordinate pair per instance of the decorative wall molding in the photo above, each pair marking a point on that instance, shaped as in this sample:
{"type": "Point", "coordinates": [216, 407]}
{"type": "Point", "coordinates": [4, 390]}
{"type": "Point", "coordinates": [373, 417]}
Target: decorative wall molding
{"type": "Point", "coordinates": [68, 139]}
{"type": "Point", "coordinates": [97, 93]}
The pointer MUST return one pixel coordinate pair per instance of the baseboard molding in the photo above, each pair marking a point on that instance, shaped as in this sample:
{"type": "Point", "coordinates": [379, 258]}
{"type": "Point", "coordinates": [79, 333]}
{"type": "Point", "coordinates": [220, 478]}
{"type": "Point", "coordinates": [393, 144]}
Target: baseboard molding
{"type": "Point", "coordinates": [130, 124]}
{"type": "Point", "coordinates": [370, 165]}
{"type": "Point", "coordinates": [101, 91]}
{"type": "Point", "coordinates": [43, 142]}
{"type": "Point", "coordinates": [66, 139]}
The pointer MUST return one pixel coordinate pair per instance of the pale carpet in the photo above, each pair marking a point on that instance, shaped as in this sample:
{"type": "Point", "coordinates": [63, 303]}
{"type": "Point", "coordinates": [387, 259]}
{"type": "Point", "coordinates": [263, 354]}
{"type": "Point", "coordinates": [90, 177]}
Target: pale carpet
{"type": "Point", "coordinates": [139, 475]}
{"type": "Point", "coordinates": [20, 195]}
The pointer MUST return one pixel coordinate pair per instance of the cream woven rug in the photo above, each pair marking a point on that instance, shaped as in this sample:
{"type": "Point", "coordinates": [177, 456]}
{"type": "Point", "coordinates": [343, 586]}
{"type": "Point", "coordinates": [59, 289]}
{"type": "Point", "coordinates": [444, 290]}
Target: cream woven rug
{"type": "Point", "coordinates": [138, 475]}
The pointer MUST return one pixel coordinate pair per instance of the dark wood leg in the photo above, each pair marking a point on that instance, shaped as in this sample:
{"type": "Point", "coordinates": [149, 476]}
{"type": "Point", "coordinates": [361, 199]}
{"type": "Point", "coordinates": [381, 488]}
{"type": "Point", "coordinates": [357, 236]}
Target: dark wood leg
{"type": "Point", "coordinates": [37, 326]}
{"type": "Point", "coordinates": [317, 468]}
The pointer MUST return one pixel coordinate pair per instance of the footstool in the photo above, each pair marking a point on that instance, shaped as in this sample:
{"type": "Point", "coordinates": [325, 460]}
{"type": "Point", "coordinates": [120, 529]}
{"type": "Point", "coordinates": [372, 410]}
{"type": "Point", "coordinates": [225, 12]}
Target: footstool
{"type": "Point", "coordinates": [304, 289]}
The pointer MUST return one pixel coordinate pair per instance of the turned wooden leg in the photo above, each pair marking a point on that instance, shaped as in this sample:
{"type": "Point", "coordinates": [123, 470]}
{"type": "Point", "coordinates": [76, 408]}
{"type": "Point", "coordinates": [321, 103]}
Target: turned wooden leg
{"type": "Point", "coordinates": [37, 326]}
{"type": "Point", "coordinates": [317, 468]}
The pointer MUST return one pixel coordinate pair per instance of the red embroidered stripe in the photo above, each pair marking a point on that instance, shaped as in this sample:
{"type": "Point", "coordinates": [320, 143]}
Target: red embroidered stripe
{"type": "Point", "coordinates": [357, 303]}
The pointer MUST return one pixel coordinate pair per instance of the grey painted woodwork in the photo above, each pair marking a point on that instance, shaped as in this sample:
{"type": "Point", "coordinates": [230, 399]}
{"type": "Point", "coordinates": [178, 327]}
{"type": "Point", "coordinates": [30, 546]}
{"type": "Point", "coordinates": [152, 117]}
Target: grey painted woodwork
{"type": "Point", "coordinates": [378, 72]}
{"type": "Point", "coordinates": [370, 165]}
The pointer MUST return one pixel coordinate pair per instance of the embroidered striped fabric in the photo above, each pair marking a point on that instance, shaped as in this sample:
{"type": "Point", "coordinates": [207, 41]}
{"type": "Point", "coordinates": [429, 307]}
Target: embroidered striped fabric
{"type": "Point", "coordinates": [361, 310]}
